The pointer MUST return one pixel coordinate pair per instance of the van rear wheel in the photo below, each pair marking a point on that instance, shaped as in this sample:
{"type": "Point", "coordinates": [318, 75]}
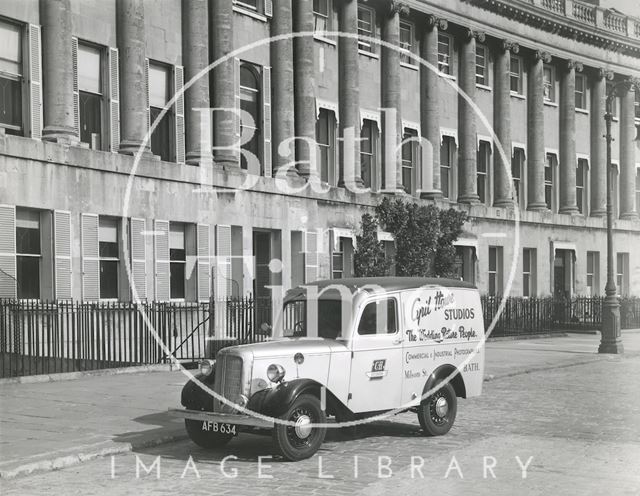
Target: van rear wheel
{"type": "Point", "coordinates": [437, 413]}
{"type": "Point", "coordinates": [299, 441]}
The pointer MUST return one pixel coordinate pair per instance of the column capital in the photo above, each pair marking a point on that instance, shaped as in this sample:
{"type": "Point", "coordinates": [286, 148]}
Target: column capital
{"type": "Point", "coordinates": [574, 64]}
{"type": "Point", "coordinates": [472, 33]}
{"type": "Point", "coordinates": [434, 21]}
{"type": "Point", "coordinates": [509, 46]}
{"type": "Point", "coordinates": [542, 55]}
{"type": "Point", "coordinates": [604, 74]}
{"type": "Point", "coordinates": [397, 7]}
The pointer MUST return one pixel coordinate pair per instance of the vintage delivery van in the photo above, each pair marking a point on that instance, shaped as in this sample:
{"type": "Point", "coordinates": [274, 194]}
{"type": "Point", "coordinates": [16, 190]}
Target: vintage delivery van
{"type": "Point", "coordinates": [349, 349]}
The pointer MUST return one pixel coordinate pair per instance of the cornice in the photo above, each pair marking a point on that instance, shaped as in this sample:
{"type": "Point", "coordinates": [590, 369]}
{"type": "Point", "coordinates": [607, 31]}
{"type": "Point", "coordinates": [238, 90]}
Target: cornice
{"type": "Point", "coordinates": [561, 24]}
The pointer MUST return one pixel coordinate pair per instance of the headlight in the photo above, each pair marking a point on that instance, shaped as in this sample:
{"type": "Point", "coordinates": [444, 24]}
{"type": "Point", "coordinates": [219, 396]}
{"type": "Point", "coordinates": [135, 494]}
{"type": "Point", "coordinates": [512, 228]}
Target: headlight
{"type": "Point", "coordinates": [275, 372]}
{"type": "Point", "coordinates": [206, 367]}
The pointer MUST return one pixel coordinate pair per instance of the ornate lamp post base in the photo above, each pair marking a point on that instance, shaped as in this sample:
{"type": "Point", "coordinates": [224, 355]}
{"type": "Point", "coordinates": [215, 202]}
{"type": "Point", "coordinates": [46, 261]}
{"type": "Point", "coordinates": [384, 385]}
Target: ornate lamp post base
{"type": "Point", "coordinates": [611, 338]}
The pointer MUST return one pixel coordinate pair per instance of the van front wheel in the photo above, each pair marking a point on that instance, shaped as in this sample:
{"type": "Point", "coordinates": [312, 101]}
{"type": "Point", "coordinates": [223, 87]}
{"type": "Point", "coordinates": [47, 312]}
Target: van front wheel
{"type": "Point", "coordinates": [296, 440]}
{"type": "Point", "coordinates": [437, 413]}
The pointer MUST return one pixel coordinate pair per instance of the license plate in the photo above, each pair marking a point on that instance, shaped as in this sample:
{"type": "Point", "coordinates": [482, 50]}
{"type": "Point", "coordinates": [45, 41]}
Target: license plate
{"type": "Point", "coordinates": [222, 428]}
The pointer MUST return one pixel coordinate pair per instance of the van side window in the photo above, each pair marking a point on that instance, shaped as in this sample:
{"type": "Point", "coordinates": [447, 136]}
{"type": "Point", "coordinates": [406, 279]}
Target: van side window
{"type": "Point", "coordinates": [379, 317]}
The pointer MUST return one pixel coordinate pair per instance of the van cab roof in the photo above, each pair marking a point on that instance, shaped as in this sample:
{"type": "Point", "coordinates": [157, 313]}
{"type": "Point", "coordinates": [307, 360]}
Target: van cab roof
{"type": "Point", "coordinates": [391, 283]}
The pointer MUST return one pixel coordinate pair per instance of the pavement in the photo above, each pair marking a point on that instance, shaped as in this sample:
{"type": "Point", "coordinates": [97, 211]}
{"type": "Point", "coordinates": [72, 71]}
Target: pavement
{"type": "Point", "coordinates": [46, 426]}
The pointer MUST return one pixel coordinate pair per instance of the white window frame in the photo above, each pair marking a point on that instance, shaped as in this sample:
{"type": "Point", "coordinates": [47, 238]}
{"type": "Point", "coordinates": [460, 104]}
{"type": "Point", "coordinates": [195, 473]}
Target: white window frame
{"type": "Point", "coordinates": [118, 223]}
{"type": "Point", "coordinates": [488, 173]}
{"type": "Point", "coordinates": [452, 175]}
{"type": "Point", "coordinates": [551, 85]}
{"type": "Point", "coordinates": [485, 80]}
{"type": "Point", "coordinates": [522, 185]}
{"type": "Point", "coordinates": [406, 59]}
{"type": "Point", "coordinates": [449, 56]}
{"type": "Point", "coordinates": [39, 256]}
{"type": "Point", "coordinates": [497, 272]}
{"type": "Point", "coordinates": [584, 104]}
{"type": "Point", "coordinates": [21, 78]}
{"type": "Point", "coordinates": [519, 75]}
{"type": "Point", "coordinates": [413, 134]}
{"type": "Point", "coordinates": [585, 185]}
{"type": "Point", "coordinates": [554, 178]}
{"type": "Point", "coordinates": [595, 274]}
{"type": "Point", "coordinates": [531, 272]}
{"type": "Point", "coordinates": [367, 47]}
{"type": "Point", "coordinates": [320, 33]}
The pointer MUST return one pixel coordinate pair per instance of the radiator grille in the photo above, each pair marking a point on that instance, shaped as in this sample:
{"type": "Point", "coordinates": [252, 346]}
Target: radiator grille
{"type": "Point", "coordinates": [228, 381]}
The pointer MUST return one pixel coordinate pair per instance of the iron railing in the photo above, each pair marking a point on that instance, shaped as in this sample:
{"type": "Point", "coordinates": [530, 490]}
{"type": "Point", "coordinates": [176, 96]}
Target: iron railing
{"type": "Point", "coordinates": [522, 316]}
{"type": "Point", "coordinates": [40, 337]}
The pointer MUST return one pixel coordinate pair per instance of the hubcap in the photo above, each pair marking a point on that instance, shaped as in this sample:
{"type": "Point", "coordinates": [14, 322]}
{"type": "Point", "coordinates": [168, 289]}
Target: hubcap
{"type": "Point", "coordinates": [442, 407]}
{"type": "Point", "coordinates": [303, 426]}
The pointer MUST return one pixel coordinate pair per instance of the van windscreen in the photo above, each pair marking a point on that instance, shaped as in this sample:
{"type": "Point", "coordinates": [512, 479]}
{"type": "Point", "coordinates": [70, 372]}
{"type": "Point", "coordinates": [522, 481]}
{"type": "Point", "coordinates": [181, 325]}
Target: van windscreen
{"type": "Point", "coordinates": [304, 320]}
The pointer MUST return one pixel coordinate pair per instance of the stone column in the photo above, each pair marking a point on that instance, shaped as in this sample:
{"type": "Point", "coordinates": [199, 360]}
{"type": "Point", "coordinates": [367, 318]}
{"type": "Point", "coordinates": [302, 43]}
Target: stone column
{"type": "Point", "coordinates": [467, 156]}
{"type": "Point", "coordinates": [535, 132]}
{"type": "Point", "coordinates": [222, 82]}
{"type": "Point", "coordinates": [349, 96]}
{"type": "Point", "coordinates": [598, 165]}
{"type": "Point", "coordinates": [568, 138]}
{"type": "Point", "coordinates": [391, 99]}
{"type": "Point", "coordinates": [502, 122]}
{"type": "Point", "coordinates": [429, 107]}
{"type": "Point", "coordinates": [133, 87]}
{"type": "Point", "coordinates": [57, 72]}
{"type": "Point", "coordinates": [304, 78]}
{"type": "Point", "coordinates": [195, 57]}
{"type": "Point", "coordinates": [282, 108]}
{"type": "Point", "coordinates": [627, 155]}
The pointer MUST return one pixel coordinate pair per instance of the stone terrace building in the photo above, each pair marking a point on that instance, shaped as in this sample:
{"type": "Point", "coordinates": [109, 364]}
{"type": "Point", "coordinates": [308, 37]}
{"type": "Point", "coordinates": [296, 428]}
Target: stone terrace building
{"type": "Point", "coordinates": [82, 80]}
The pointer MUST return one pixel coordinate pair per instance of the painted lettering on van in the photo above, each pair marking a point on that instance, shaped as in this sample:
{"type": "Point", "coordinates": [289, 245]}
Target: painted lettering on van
{"type": "Point", "coordinates": [421, 309]}
{"type": "Point", "coordinates": [459, 314]}
{"type": "Point", "coordinates": [439, 336]}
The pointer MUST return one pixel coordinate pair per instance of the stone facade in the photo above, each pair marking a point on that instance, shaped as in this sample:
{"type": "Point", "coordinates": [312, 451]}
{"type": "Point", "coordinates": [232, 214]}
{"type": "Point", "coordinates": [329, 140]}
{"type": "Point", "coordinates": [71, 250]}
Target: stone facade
{"type": "Point", "coordinates": [535, 78]}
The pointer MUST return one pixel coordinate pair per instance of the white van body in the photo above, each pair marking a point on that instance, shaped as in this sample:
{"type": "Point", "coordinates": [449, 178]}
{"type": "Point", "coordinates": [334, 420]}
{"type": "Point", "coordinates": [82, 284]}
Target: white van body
{"type": "Point", "coordinates": [382, 345]}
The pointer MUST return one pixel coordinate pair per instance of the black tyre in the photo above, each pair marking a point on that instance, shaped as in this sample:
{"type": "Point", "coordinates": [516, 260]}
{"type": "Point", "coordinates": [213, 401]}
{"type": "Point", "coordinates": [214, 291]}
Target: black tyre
{"type": "Point", "coordinates": [205, 438]}
{"type": "Point", "coordinates": [300, 442]}
{"type": "Point", "coordinates": [437, 413]}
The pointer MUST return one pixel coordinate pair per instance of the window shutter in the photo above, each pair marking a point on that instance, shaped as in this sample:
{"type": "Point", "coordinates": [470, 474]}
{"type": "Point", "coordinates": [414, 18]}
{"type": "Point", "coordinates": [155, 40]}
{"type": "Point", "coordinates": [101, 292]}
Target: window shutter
{"type": "Point", "coordinates": [311, 256]}
{"type": "Point", "coordinates": [35, 82]}
{"type": "Point", "coordinates": [223, 262]}
{"type": "Point", "coordinates": [236, 115]}
{"type": "Point", "coordinates": [8, 273]}
{"type": "Point", "coordinates": [90, 258]}
{"type": "Point", "coordinates": [62, 245]}
{"type": "Point", "coordinates": [204, 264]}
{"type": "Point", "coordinates": [161, 237]}
{"type": "Point", "coordinates": [266, 120]}
{"type": "Point", "coordinates": [178, 76]}
{"type": "Point", "coordinates": [138, 257]}
{"type": "Point", "coordinates": [268, 8]}
{"type": "Point", "coordinates": [146, 92]}
{"type": "Point", "coordinates": [76, 92]}
{"type": "Point", "coordinates": [114, 100]}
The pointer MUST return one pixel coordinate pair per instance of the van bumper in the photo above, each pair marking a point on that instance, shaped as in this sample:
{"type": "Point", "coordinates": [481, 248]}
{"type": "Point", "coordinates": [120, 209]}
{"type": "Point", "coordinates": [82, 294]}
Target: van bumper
{"type": "Point", "coordinates": [222, 418]}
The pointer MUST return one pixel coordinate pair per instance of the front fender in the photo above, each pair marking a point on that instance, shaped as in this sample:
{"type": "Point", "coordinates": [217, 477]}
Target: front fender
{"type": "Point", "coordinates": [193, 397]}
{"type": "Point", "coordinates": [275, 401]}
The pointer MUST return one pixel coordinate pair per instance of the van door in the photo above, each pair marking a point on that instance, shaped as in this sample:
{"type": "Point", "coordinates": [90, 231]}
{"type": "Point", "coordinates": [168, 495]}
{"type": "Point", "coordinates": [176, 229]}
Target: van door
{"type": "Point", "coordinates": [376, 364]}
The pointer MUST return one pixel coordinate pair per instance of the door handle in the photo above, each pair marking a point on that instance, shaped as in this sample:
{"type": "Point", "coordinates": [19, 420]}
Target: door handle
{"type": "Point", "coordinates": [396, 341]}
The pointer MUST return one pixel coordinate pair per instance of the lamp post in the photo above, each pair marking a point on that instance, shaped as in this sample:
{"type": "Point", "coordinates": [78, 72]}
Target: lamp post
{"type": "Point", "coordinates": [611, 337]}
